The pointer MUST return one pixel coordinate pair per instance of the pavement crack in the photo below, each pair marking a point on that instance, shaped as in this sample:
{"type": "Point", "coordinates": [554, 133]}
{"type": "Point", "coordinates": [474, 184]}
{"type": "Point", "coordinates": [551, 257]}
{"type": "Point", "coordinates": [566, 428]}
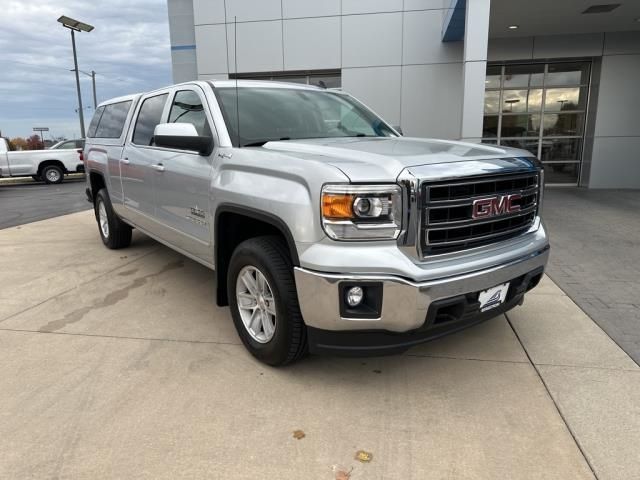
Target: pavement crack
{"type": "Point", "coordinates": [109, 300]}
{"type": "Point", "coordinates": [555, 404]}
{"type": "Point", "coordinates": [122, 337]}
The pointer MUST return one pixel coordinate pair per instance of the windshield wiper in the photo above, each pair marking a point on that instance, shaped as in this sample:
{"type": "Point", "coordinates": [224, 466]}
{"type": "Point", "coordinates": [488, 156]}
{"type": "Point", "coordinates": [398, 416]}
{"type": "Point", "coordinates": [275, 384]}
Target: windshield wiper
{"type": "Point", "coordinates": [260, 143]}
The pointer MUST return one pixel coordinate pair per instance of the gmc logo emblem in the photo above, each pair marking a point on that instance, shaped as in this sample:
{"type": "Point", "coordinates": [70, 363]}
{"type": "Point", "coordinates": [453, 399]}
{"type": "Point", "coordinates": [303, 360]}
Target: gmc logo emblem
{"type": "Point", "coordinates": [498, 205]}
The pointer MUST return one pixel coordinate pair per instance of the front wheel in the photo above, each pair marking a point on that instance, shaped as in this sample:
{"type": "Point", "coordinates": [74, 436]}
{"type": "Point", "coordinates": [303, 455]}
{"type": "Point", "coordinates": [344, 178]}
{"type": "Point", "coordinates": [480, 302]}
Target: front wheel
{"type": "Point", "coordinates": [113, 231]}
{"type": "Point", "coordinates": [264, 302]}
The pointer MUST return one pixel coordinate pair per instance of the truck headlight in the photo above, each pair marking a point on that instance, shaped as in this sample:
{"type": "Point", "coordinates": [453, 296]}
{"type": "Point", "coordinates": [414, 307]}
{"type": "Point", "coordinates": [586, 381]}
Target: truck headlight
{"type": "Point", "coordinates": [361, 212]}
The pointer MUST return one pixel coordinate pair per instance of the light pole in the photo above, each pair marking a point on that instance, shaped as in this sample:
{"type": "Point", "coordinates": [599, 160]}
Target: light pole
{"type": "Point", "coordinates": [93, 83]}
{"type": "Point", "coordinates": [76, 26]}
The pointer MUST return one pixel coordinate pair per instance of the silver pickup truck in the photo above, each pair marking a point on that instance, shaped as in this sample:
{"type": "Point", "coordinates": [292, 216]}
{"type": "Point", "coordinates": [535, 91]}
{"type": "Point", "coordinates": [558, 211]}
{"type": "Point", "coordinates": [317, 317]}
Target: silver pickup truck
{"type": "Point", "coordinates": [48, 165]}
{"type": "Point", "coordinates": [328, 231]}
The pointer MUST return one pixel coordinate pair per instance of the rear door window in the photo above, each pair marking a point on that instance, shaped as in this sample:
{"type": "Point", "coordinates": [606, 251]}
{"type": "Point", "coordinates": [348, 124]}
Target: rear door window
{"type": "Point", "coordinates": [93, 126]}
{"type": "Point", "coordinates": [149, 117]}
{"type": "Point", "coordinates": [113, 119]}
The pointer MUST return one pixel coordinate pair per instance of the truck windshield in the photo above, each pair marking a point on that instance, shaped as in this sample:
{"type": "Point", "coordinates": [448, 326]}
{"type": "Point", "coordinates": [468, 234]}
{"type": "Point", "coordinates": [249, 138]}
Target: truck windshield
{"type": "Point", "coordinates": [268, 114]}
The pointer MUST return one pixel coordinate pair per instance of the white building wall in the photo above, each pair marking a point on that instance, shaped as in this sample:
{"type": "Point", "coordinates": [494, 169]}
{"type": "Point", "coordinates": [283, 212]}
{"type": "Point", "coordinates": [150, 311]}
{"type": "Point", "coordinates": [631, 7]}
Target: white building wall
{"type": "Point", "coordinates": [182, 35]}
{"type": "Point", "coordinates": [390, 52]}
{"type": "Point", "coordinates": [611, 157]}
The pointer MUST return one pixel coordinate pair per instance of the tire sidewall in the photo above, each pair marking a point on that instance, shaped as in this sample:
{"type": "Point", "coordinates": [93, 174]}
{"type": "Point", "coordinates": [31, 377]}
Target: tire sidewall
{"type": "Point", "coordinates": [52, 167]}
{"type": "Point", "coordinates": [275, 350]}
{"type": "Point", "coordinates": [102, 198]}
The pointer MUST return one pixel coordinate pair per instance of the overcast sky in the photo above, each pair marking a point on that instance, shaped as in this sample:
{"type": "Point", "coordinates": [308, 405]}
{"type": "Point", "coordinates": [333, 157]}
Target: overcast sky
{"type": "Point", "coordinates": [129, 49]}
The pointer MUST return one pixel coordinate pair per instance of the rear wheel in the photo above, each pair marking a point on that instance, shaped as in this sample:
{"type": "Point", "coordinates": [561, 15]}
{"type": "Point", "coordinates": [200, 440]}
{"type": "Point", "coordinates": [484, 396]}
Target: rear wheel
{"type": "Point", "coordinates": [113, 231]}
{"type": "Point", "coordinates": [52, 174]}
{"type": "Point", "coordinates": [264, 302]}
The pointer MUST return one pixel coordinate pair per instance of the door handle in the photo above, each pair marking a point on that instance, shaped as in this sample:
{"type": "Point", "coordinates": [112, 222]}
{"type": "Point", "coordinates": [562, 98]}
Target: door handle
{"type": "Point", "coordinates": [125, 161]}
{"type": "Point", "coordinates": [158, 168]}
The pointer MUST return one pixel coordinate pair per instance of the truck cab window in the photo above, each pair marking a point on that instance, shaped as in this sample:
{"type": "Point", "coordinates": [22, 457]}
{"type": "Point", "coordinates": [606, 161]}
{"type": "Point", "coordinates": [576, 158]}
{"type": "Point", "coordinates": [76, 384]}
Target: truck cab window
{"type": "Point", "coordinates": [187, 108]}
{"type": "Point", "coordinates": [113, 119]}
{"type": "Point", "coordinates": [149, 117]}
{"type": "Point", "coordinates": [93, 126]}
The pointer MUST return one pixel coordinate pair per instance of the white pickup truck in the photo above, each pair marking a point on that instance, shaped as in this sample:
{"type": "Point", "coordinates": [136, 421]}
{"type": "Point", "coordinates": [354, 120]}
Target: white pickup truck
{"type": "Point", "coordinates": [48, 165]}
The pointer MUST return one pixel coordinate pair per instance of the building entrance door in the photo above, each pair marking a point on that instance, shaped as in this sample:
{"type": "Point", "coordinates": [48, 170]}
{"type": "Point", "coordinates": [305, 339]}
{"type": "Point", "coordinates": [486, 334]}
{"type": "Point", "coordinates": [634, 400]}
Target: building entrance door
{"type": "Point", "coordinates": [541, 108]}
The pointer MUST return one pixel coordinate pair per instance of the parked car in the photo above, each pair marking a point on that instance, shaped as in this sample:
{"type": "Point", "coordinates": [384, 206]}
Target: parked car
{"type": "Point", "coordinates": [48, 165]}
{"type": "Point", "coordinates": [328, 231]}
{"type": "Point", "coordinates": [68, 145]}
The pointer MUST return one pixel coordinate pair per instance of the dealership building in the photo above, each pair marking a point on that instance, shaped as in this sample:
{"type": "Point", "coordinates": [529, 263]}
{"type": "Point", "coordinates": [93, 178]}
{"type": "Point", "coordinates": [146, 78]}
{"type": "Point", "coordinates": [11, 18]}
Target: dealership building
{"type": "Point", "coordinates": [559, 78]}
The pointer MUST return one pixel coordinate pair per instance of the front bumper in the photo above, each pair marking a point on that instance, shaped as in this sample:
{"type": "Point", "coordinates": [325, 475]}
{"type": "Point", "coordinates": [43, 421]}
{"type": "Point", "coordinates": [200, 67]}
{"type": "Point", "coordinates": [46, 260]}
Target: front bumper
{"type": "Point", "coordinates": [409, 309]}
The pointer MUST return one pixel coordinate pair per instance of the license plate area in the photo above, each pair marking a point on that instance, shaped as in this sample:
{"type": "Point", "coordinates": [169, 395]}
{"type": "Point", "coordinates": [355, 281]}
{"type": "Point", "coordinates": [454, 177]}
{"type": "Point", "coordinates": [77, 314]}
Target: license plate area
{"type": "Point", "coordinates": [493, 297]}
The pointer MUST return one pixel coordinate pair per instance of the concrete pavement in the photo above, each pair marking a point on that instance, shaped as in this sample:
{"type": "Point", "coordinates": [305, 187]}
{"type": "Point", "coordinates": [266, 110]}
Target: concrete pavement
{"type": "Point", "coordinates": [118, 364]}
{"type": "Point", "coordinates": [595, 239]}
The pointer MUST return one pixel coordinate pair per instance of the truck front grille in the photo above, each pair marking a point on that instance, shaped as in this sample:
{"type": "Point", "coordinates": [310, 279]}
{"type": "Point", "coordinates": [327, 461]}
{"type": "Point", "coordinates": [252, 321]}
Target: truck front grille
{"type": "Point", "coordinates": [448, 221]}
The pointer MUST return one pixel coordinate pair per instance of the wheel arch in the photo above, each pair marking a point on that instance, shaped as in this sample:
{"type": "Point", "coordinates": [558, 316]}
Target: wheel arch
{"type": "Point", "coordinates": [242, 223]}
{"type": "Point", "coordinates": [46, 163]}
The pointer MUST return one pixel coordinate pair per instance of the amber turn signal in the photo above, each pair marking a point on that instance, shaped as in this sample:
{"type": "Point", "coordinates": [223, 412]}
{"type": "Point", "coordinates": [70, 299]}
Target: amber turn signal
{"type": "Point", "coordinates": [337, 206]}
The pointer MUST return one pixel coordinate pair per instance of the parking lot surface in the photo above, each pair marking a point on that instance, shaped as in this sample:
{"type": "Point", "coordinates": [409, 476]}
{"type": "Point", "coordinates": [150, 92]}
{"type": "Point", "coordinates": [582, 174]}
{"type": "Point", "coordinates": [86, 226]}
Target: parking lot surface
{"type": "Point", "coordinates": [118, 364]}
{"type": "Point", "coordinates": [23, 201]}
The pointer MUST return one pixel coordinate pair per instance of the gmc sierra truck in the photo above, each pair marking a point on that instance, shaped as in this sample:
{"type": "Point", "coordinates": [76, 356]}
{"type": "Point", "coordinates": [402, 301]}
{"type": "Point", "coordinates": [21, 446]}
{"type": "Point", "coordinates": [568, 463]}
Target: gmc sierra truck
{"type": "Point", "coordinates": [328, 231]}
{"type": "Point", "coordinates": [48, 165]}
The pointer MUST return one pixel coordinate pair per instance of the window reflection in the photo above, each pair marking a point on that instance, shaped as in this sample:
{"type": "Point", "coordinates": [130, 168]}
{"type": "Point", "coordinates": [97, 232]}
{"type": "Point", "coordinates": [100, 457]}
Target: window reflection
{"type": "Point", "coordinates": [563, 124]}
{"type": "Point", "coordinates": [490, 126]}
{"type": "Point", "coordinates": [539, 108]}
{"type": "Point", "coordinates": [530, 144]}
{"type": "Point", "coordinates": [491, 102]}
{"type": "Point", "coordinates": [560, 149]}
{"type": "Point", "coordinates": [567, 74]}
{"type": "Point", "coordinates": [523, 76]}
{"type": "Point", "coordinates": [516, 101]}
{"type": "Point", "coordinates": [557, 99]}
{"type": "Point", "coordinates": [561, 172]}
{"type": "Point", "coordinates": [520, 126]}
{"type": "Point", "coordinates": [493, 77]}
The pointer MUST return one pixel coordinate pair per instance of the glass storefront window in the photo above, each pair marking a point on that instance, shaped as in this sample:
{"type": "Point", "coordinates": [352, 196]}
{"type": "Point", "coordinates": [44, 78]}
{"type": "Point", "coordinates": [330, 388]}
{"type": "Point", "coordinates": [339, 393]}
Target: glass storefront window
{"type": "Point", "coordinates": [490, 126]}
{"type": "Point", "coordinates": [567, 74]}
{"type": "Point", "coordinates": [520, 126]}
{"type": "Point", "coordinates": [563, 124]}
{"type": "Point", "coordinates": [554, 149]}
{"type": "Point", "coordinates": [491, 102]}
{"type": "Point", "coordinates": [540, 108]}
{"type": "Point", "coordinates": [561, 172]}
{"type": "Point", "coordinates": [561, 99]}
{"type": "Point", "coordinates": [516, 101]}
{"type": "Point", "coordinates": [530, 144]}
{"type": "Point", "coordinates": [523, 76]}
{"type": "Point", "coordinates": [493, 77]}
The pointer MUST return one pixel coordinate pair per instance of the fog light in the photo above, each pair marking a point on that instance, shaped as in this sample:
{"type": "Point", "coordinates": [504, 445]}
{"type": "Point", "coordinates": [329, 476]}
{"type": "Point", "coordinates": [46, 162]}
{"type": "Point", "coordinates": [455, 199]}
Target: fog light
{"type": "Point", "coordinates": [355, 296]}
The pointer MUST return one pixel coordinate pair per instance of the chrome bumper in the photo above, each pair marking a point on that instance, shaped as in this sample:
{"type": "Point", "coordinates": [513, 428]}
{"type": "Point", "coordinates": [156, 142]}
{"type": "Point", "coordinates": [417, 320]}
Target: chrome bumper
{"type": "Point", "coordinates": [405, 303]}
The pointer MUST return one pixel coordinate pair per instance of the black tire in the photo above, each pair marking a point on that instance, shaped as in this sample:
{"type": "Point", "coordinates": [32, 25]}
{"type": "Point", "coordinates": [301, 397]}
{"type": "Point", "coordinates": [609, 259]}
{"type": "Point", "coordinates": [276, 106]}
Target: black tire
{"type": "Point", "coordinates": [270, 256]}
{"type": "Point", "coordinates": [36, 178]}
{"type": "Point", "coordinates": [118, 233]}
{"type": "Point", "coordinates": [52, 174]}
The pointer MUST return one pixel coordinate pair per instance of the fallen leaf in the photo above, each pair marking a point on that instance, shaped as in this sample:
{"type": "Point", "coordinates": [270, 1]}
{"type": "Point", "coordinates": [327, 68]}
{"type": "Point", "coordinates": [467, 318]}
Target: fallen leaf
{"type": "Point", "coordinates": [341, 473]}
{"type": "Point", "coordinates": [363, 456]}
{"type": "Point", "coordinates": [298, 434]}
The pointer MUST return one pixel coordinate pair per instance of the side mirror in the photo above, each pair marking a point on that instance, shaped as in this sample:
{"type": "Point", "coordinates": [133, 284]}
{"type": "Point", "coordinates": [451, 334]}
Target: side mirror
{"type": "Point", "coordinates": [398, 129]}
{"type": "Point", "coordinates": [182, 136]}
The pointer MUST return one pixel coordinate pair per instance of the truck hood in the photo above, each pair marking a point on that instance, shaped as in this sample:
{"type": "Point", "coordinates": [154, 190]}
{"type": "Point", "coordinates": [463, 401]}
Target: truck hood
{"type": "Point", "coordinates": [381, 159]}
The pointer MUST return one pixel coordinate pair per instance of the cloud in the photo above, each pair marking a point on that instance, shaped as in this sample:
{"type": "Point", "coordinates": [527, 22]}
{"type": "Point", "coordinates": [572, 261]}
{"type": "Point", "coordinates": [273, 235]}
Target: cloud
{"type": "Point", "coordinates": [129, 49]}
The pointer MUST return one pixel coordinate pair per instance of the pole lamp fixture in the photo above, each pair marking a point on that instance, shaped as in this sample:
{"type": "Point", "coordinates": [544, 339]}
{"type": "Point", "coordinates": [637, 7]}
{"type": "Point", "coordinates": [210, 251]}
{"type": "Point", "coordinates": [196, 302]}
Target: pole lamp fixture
{"type": "Point", "coordinates": [76, 26]}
